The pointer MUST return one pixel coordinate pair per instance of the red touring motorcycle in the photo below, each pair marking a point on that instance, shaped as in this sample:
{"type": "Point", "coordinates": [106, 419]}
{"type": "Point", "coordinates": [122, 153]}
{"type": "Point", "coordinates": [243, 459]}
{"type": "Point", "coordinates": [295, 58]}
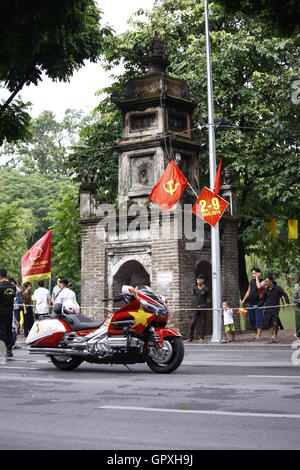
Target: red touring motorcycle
{"type": "Point", "coordinates": [135, 333]}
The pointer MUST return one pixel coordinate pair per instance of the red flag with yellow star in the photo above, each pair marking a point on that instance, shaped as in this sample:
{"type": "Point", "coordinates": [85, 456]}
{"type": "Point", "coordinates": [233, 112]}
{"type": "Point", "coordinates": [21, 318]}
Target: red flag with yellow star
{"type": "Point", "coordinates": [169, 188]}
{"type": "Point", "coordinates": [36, 263]}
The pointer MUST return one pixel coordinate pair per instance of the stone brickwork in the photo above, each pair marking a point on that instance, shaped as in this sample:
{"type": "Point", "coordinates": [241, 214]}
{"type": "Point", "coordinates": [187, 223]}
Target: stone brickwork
{"type": "Point", "coordinates": [229, 264]}
{"type": "Point", "coordinates": [93, 271]}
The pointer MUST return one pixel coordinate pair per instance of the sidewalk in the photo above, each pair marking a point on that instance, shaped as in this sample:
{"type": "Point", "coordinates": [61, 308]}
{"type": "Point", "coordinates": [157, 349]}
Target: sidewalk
{"type": "Point", "coordinates": [246, 341]}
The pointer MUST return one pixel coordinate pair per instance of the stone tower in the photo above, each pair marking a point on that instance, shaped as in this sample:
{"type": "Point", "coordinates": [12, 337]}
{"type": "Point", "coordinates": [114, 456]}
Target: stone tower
{"type": "Point", "coordinates": [137, 245]}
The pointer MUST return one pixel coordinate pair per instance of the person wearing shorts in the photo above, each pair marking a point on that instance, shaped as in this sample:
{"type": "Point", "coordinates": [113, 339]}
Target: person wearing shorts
{"type": "Point", "coordinates": [296, 299]}
{"type": "Point", "coordinates": [270, 299]}
{"type": "Point", "coordinates": [229, 327]}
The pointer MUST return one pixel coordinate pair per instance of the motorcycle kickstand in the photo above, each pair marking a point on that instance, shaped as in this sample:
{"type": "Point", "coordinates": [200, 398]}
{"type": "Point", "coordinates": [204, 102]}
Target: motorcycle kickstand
{"type": "Point", "coordinates": [127, 367]}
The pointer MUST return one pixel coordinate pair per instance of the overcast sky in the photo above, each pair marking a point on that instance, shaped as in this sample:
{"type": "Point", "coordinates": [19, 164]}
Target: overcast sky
{"type": "Point", "coordinates": [79, 93]}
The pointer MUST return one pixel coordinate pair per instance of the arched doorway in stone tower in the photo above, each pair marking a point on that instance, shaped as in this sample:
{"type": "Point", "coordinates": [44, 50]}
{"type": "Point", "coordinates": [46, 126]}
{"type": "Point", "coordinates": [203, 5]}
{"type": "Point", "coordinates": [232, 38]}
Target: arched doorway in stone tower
{"type": "Point", "coordinates": [131, 273]}
{"type": "Point", "coordinates": [204, 267]}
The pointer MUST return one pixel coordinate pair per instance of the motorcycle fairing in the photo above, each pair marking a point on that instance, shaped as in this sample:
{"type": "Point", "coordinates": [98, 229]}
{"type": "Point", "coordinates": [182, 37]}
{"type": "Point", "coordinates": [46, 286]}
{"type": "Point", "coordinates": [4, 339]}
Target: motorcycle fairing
{"type": "Point", "coordinates": [135, 312]}
{"type": "Point", "coordinates": [46, 329]}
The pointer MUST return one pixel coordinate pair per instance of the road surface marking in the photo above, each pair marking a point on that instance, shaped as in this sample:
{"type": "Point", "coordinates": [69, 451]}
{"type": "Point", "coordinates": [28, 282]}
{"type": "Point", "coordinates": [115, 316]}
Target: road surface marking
{"type": "Point", "coordinates": [16, 367]}
{"type": "Point", "coordinates": [202, 412]}
{"type": "Point", "coordinates": [214, 362]}
{"type": "Point", "coordinates": [31, 361]}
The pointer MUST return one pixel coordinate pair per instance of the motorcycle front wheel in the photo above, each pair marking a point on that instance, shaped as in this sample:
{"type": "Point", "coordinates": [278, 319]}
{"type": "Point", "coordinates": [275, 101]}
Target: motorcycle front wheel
{"type": "Point", "coordinates": [169, 358]}
{"type": "Point", "coordinates": [66, 362]}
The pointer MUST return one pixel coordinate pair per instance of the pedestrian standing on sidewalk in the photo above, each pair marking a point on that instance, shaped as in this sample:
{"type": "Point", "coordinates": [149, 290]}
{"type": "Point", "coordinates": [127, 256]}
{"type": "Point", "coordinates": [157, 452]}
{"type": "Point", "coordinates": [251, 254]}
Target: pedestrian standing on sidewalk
{"type": "Point", "coordinates": [228, 322]}
{"type": "Point", "coordinates": [16, 312]}
{"type": "Point", "coordinates": [270, 299]}
{"type": "Point", "coordinates": [296, 299]}
{"type": "Point", "coordinates": [56, 290]}
{"type": "Point", "coordinates": [261, 284]}
{"type": "Point", "coordinates": [41, 301]}
{"type": "Point", "coordinates": [253, 294]}
{"type": "Point", "coordinates": [202, 294]}
{"type": "Point", "coordinates": [7, 295]}
{"type": "Point", "coordinates": [27, 308]}
{"type": "Point", "coordinates": [65, 293]}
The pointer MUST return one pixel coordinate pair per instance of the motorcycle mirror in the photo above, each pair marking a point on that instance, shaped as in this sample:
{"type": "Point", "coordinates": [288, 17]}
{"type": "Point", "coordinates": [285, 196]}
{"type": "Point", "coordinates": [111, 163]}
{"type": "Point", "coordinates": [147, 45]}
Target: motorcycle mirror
{"type": "Point", "coordinates": [128, 290]}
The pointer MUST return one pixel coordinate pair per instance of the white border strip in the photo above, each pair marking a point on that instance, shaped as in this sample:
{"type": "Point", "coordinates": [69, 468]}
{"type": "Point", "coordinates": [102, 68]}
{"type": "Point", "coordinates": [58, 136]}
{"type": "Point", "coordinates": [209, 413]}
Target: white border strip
{"type": "Point", "coordinates": [201, 412]}
{"type": "Point", "coordinates": [275, 376]}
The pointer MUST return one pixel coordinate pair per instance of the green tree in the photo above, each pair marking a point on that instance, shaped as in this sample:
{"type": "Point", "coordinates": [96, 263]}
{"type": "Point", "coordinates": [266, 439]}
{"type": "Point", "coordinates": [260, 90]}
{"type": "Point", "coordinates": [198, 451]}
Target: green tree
{"type": "Point", "coordinates": [63, 218]}
{"type": "Point", "coordinates": [35, 177]}
{"type": "Point", "coordinates": [15, 122]}
{"type": "Point", "coordinates": [16, 226]}
{"type": "Point", "coordinates": [33, 191]}
{"type": "Point", "coordinates": [282, 17]}
{"type": "Point", "coordinates": [49, 143]}
{"type": "Point", "coordinates": [96, 150]}
{"type": "Point", "coordinates": [54, 37]}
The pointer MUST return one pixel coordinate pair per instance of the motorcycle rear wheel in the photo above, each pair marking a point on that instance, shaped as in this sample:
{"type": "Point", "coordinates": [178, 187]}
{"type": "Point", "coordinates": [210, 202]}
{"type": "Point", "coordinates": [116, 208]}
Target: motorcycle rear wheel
{"type": "Point", "coordinates": [66, 362]}
{"type": "Point", "coordinates": [173, 362]}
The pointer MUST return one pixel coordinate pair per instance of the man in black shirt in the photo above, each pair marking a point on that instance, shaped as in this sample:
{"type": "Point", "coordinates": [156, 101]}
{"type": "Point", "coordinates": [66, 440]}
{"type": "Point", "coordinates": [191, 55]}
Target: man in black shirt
{"type": "Point", "coordinates": [271, 298]}
{"type": "Point", "coordinates": [7, 295]}
{"type": "Point", "coordinates": [256, 315]}
{"type": "Point", "coordinates": [201, 293]}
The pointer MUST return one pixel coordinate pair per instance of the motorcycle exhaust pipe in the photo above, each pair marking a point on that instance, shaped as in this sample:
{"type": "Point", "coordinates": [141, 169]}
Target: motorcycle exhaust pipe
{"type": "Point", "coordinates": [58, 352]}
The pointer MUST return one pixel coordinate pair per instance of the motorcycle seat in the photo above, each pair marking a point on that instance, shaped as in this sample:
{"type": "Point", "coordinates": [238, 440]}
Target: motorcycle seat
{"type": "Point", "coordinates": [79, 322]}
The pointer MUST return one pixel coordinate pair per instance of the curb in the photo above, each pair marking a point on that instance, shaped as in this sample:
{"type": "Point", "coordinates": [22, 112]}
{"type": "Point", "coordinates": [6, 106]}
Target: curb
{"type": "Point", "coordinates": [221, 347]}
{"type": "Point", "coordinates": [244, 346]}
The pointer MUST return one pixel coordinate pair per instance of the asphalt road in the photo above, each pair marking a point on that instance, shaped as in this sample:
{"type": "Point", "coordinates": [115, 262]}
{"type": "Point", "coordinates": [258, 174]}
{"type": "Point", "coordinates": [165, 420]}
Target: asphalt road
{"type": "Point", "coordinates": [222, 398]}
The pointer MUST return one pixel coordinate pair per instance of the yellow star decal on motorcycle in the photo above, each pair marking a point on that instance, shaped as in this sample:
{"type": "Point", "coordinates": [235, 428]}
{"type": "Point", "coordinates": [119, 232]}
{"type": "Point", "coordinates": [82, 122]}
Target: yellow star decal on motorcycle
{"type": "Point", "coordinates": [140, 316]}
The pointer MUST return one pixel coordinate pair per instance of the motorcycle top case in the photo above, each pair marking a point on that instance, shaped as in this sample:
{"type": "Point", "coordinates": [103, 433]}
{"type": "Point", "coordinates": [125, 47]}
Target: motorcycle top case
{"type": "Point", "coordinates": [52, 329]}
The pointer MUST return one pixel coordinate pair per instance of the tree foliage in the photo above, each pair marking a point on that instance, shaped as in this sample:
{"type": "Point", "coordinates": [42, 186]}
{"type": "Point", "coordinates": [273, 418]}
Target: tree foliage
{"type": "Point", "coordinates": [36, 180]}
{"type": "Point", "coordinates": [282, 17]}
{"type": "Point", "coordinates": [96, 150]}
{"type": "Point", "coordinates": [34, 192]}
{"type": "Point", "coordinates": [16, 226]}
{"type": "Point", "coordinates": [49, 143]}
{"type": "Point", "coordinates": [52, 36]}
{"type": "Point", "coordinates": [40, 202]}
{"type": "Point", "coordinates": [63, 219]}
{"type": "Point", "coordinates": [15, 122]}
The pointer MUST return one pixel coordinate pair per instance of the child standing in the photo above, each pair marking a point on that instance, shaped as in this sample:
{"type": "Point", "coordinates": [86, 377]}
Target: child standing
{"type": "Point", "coordinates": [228, 321]}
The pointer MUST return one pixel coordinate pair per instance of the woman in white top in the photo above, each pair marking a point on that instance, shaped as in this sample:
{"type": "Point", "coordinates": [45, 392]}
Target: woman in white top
{"type": "Point", "coordinates": [65, 293]}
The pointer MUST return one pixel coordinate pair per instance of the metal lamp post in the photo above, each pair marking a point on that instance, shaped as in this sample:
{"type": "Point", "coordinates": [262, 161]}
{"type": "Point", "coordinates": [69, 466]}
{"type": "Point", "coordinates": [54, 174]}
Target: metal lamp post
{"type": "Point", "coordinates": [215, 234]}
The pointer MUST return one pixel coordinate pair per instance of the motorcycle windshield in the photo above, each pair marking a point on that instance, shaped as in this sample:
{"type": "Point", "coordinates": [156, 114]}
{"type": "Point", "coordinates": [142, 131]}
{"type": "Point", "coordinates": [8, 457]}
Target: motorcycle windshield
{"type": "Point", "coordinates": [151, 301]}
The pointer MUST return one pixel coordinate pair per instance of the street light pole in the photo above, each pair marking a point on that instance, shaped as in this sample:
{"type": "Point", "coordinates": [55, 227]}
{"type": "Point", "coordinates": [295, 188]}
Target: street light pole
{"type": "Point", "coordinates": [215, 234]}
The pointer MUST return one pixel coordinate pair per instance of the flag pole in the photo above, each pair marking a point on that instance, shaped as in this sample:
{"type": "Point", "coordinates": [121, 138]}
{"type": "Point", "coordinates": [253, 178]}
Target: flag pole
{"type": "Point", "coordinates": [50, 291]}
{"type": "Point", "coordinates": [215, 234]}
{"type": "Point", "coordinates": [193, 190]}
